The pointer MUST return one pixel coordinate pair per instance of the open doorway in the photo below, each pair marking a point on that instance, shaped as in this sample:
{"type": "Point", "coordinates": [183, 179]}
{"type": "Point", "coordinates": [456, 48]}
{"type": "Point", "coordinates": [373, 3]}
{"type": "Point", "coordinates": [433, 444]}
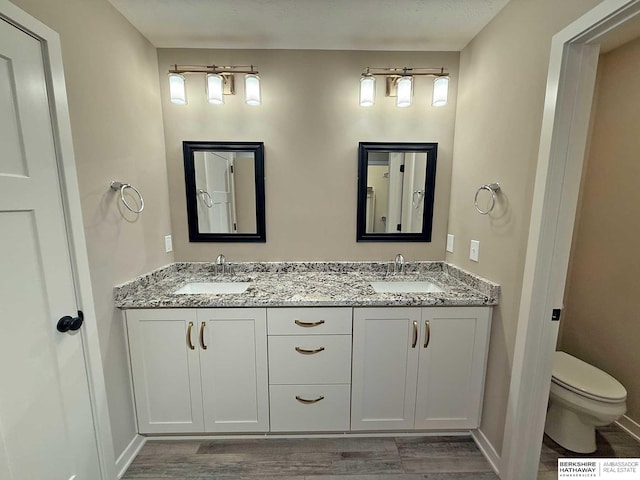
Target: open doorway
{"type": "Point", "coordinates": [570, 87]}
{"type": "Point", "coordinates": [601, 303]}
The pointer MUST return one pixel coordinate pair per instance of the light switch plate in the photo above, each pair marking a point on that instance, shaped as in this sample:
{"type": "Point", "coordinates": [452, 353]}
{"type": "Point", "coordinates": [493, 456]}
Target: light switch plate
{"type": "Point", "coordinates": [474, 250]}
{"type": "Point", "coordinates": [168, 244]}
{"type": "Point", "coordinates": [450, 241]}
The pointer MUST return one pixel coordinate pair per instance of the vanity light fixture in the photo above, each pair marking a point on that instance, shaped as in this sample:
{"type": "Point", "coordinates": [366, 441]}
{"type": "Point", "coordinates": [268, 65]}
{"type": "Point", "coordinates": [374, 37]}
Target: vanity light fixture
{"type": "Point", "coordinates": [176, 89]}
{"type": "Point", "coordinates": [404, 93]}
{"type": "Point", "coordinates": [219, 80]}
{"type": "Point", "coordinates": [399, 84]}
{"type": "Point", "coordinates": [252, 89]}
{"type": "Point", "coordinates": [367, 89]}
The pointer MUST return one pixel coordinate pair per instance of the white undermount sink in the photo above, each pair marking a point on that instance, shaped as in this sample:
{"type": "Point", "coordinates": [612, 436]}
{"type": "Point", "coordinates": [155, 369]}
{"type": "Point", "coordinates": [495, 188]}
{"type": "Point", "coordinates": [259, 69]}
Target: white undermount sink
{"type": "Point", "coordinates": [405, 287]}
{"type": "Point", "coordinates": [213, 288]}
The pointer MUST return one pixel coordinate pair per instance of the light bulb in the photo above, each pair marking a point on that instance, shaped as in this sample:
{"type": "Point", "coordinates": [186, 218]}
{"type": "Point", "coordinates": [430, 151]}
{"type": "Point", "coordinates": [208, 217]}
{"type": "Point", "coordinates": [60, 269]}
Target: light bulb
{"type": "Point", "coordinates": [177, 91]}
{"type": "Point", "coordinates": [252, 89]}
{"type": "Point", "coordinates": [215, 84]}
{"type": "Point", "coordinates": [440, 91]}
{"type": "Point", "coordinates": [404, 91]}
{"type": "Point", "coordinates": [367, 90]}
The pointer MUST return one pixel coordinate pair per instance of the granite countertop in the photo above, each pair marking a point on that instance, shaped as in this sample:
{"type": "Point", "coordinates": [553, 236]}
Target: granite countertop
{"type": "Point", "coordinates": [301, 284]}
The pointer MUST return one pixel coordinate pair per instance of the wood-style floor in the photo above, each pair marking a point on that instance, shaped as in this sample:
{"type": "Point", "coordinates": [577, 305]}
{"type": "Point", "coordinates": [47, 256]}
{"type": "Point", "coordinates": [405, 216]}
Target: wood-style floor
{"type": "Point", "coordinates": [611, 442]}
{"type": "Point", "coordinates": [402, 458]}
{"type": "Point", "coordinates": [405, 458]}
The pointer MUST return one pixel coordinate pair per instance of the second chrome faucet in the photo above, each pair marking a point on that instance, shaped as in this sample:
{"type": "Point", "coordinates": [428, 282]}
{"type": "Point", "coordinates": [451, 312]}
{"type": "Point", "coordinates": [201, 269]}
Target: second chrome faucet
{"type": "Point", "coordinates": [398, 264]}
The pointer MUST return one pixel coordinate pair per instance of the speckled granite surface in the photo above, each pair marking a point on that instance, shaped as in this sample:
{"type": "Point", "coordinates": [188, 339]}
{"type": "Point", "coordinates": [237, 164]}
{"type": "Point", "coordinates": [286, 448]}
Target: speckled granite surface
{"type": "Point", "coordinates": [289, 284]}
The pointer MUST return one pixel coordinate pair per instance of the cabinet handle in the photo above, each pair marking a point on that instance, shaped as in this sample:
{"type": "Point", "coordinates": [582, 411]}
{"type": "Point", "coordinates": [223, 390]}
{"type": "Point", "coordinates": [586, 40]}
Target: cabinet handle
{"type": "Point", "coordinates": [309, 324]}
{"type": "Point", "coordinates": [304, 400]}
{"type": "Point", "coordinates": [309, 352]}
{"type": "Point", "coordinates": [189, 342]}
{"type": "Point", "coordinates": [204, 347]}
{"type": "Point", "coordinates": [427, 333]}
{"type": "Point", "coordinates": [415, 334]}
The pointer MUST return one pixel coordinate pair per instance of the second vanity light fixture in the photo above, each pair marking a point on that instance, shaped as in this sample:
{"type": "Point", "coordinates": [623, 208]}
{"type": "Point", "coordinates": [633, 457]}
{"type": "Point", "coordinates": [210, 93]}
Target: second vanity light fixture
{"type": "Point", "coordinates": [399, 84]}
{"type": "Point", "coordinates": [220, 81]}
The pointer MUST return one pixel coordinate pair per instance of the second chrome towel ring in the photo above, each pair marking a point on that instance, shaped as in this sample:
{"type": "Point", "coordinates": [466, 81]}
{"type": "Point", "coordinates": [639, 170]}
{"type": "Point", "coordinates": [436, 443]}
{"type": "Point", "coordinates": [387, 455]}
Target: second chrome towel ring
{"type": "Point", "coordinates": [493, 188]}
{"type": "Point", "coordinates": [124, 186]}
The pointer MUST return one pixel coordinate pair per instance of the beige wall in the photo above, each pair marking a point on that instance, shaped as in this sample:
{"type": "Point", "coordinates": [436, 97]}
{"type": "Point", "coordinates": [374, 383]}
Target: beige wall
{"type": "Point", "coordinates": [500, 100]}
{"type": "Point", "coordinates": [601, 301]}
{"type": "Point", "coordinates": [311, 123]}
{"type": "Point", "coordinates": [116, 121]}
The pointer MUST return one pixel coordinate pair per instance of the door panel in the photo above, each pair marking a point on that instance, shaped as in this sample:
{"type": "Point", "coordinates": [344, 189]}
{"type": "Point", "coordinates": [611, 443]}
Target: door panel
{"type": "Point", "coordinates": [451, 367]}
{"type": "Point", "coordinates": [46, 421]}
{"type": "Point", "coordinates": [234, 370]}
{"type": "Point", "coordinates": [384, 368]}
{"type": "Point", "coordinates": [166, 370]}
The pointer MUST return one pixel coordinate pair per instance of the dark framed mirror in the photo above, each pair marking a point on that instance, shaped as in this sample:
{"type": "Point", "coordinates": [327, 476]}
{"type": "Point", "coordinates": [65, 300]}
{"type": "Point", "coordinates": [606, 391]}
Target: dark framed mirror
{"type": "Point", "coordinates": [396, 183]}
{"type": "Point", "coordinates": [225, 191]}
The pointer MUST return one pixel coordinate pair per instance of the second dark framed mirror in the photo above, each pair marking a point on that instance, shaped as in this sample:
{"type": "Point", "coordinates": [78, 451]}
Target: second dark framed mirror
{"type": "Point", "coordinates": [396, 183]}
{"type": "Point", "coordinates": [225, 191]}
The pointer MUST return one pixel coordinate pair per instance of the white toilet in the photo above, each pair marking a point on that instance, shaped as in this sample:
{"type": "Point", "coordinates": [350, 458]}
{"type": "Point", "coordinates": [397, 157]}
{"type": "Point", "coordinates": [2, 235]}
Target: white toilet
{"type": "Point", "coordinates": [582, 397]}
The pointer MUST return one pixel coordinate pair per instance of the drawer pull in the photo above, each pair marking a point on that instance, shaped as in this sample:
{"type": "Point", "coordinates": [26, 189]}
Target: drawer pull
{"type": "Point", "coordinates": [309, 324]}
{"type": "Point", "coordinates": [427, 333]}
{"type": "Point", "coordinates": [204, 347]}
{"type": "Point", "coordinates": [304, 400]}
{"type": "Point", "coordinates": [189, 342]}
{"type": "Point", "coordinates": [309, 352]}
{"type": "Point", "coordinates": [415, 334]}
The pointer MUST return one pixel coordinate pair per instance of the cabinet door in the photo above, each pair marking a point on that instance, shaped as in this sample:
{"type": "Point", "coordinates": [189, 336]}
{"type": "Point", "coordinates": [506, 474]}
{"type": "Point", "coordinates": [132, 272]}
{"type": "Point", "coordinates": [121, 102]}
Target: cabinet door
{"type": "Point", "coordinates": [451, 367]}
{"type": "Point", "coordinates": [235, 388]}
{"type": "Point", "coordinates": [165, 370]}
{"type": "Point", "coordinates": [385, 363]}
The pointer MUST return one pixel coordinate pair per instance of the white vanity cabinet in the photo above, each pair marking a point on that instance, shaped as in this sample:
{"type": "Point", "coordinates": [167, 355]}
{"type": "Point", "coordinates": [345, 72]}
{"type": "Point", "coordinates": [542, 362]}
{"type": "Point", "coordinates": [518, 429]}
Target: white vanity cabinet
{"type": "Point", "coordinates": [199, 370]}
{"type": "Point", "coordinates": [418, 368]}
{"type": "Point", "coordinates": [309, 368]}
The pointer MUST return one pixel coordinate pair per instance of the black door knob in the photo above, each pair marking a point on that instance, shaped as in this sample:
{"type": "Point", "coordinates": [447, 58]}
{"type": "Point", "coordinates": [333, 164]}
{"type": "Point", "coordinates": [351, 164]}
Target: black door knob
{"type": "Point", "coordinates": [67, 323]}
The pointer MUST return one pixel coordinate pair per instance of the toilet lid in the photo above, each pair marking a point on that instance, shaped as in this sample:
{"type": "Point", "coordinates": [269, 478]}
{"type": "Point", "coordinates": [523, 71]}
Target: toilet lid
{"type": "Point", "coordinates": [585, 379]}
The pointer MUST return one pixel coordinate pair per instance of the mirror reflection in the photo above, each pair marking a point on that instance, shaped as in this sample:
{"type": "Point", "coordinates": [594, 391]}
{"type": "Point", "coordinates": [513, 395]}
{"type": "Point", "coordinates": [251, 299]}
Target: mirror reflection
{"type": "Point", "coordinates": [225, 191]}
{"type": "Point", "coordinates": [395, 198]}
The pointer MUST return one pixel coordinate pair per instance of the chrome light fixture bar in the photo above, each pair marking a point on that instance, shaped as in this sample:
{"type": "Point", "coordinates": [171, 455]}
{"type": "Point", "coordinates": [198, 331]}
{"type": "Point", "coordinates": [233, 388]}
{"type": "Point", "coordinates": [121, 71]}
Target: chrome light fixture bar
{"type": "Point", "coordinates": [399, 84]}
{"type": "Point", "coordinates": [220, 81]}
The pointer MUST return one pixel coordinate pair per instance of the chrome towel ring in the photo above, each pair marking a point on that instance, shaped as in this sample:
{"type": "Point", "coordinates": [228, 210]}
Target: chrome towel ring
{"type": "Point", "coordinates": [491, 187]}
{"type": "Point", "coordinates": [122, 187]}
{"type": "Point", "coordinates": [206, 198]}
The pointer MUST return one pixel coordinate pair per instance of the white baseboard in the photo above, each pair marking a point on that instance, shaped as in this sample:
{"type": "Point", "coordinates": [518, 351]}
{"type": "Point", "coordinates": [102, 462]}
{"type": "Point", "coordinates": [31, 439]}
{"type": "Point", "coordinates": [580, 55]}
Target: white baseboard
{"type": "Point", "coordinates": [487, 449]}
{"type": "Point", "coordinates": [129, 454]}
{"type": "Point", "coordinates": [629, 426]}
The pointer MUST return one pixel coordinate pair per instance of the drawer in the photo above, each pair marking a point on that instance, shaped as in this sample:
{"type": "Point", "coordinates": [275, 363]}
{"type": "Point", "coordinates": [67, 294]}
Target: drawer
{"type": "Point", "coordinates": [309, 321]}
{"type": "Point", "coordinates": [290, 366]}
{"type": "Point", "coordinates": [331, 413]}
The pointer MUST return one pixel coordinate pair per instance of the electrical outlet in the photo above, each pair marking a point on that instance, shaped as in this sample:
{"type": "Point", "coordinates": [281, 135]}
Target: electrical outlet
{"type": "Point", "coordinates": [450, 240]}
{"type": "Point", "coordinates": [474, 250]}
{"type": "Point", "coordinates": [168, 244]}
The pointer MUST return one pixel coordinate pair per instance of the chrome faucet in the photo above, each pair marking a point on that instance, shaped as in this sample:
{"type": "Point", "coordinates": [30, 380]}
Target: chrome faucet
{"type": "Point", "coordinates": [221, 264]}
{"type": "Point", "coordinates": [398, 264]}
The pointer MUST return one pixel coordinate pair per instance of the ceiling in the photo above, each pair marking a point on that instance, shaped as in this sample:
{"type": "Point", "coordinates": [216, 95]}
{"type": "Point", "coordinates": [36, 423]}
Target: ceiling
{"type": "Point", "coordinates": [411, 25]}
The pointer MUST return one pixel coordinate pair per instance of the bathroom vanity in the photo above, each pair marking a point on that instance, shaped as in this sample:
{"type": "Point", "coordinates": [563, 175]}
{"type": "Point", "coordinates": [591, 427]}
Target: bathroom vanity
{"type": "Point", "coordinates": [308, 348]}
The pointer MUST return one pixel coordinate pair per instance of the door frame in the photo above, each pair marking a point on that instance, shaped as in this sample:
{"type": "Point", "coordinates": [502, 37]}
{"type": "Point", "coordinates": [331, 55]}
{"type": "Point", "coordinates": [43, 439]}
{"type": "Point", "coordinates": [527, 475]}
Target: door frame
{"type": "Point", "coordinates": [59, 110]}
{"type": "Point", "coordinates": [565, 129]}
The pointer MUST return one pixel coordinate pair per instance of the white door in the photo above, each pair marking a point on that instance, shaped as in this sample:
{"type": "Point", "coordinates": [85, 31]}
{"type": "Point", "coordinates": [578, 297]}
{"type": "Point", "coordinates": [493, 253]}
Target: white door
{"type": "Point", "coordinates": [233, 367]}
{"type": "Point", "coordinates": [385, 364]}
{"type": "Point", "coordinates": [46, 422]}
{"type": "Point", "coordinates": [163, 345]}
{"type": "Point", "coordinates": [219, 166]}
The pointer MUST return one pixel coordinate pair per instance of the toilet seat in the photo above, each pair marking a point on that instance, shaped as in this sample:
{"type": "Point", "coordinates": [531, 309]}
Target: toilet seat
{"type": "Point", "coordinates": [586, 380]}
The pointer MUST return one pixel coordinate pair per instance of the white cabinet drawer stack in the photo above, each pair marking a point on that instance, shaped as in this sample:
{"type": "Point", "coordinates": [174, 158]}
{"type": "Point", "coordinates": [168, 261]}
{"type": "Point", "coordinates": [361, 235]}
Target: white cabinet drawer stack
{"type": "Point", "coordinates": [309, 368]}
